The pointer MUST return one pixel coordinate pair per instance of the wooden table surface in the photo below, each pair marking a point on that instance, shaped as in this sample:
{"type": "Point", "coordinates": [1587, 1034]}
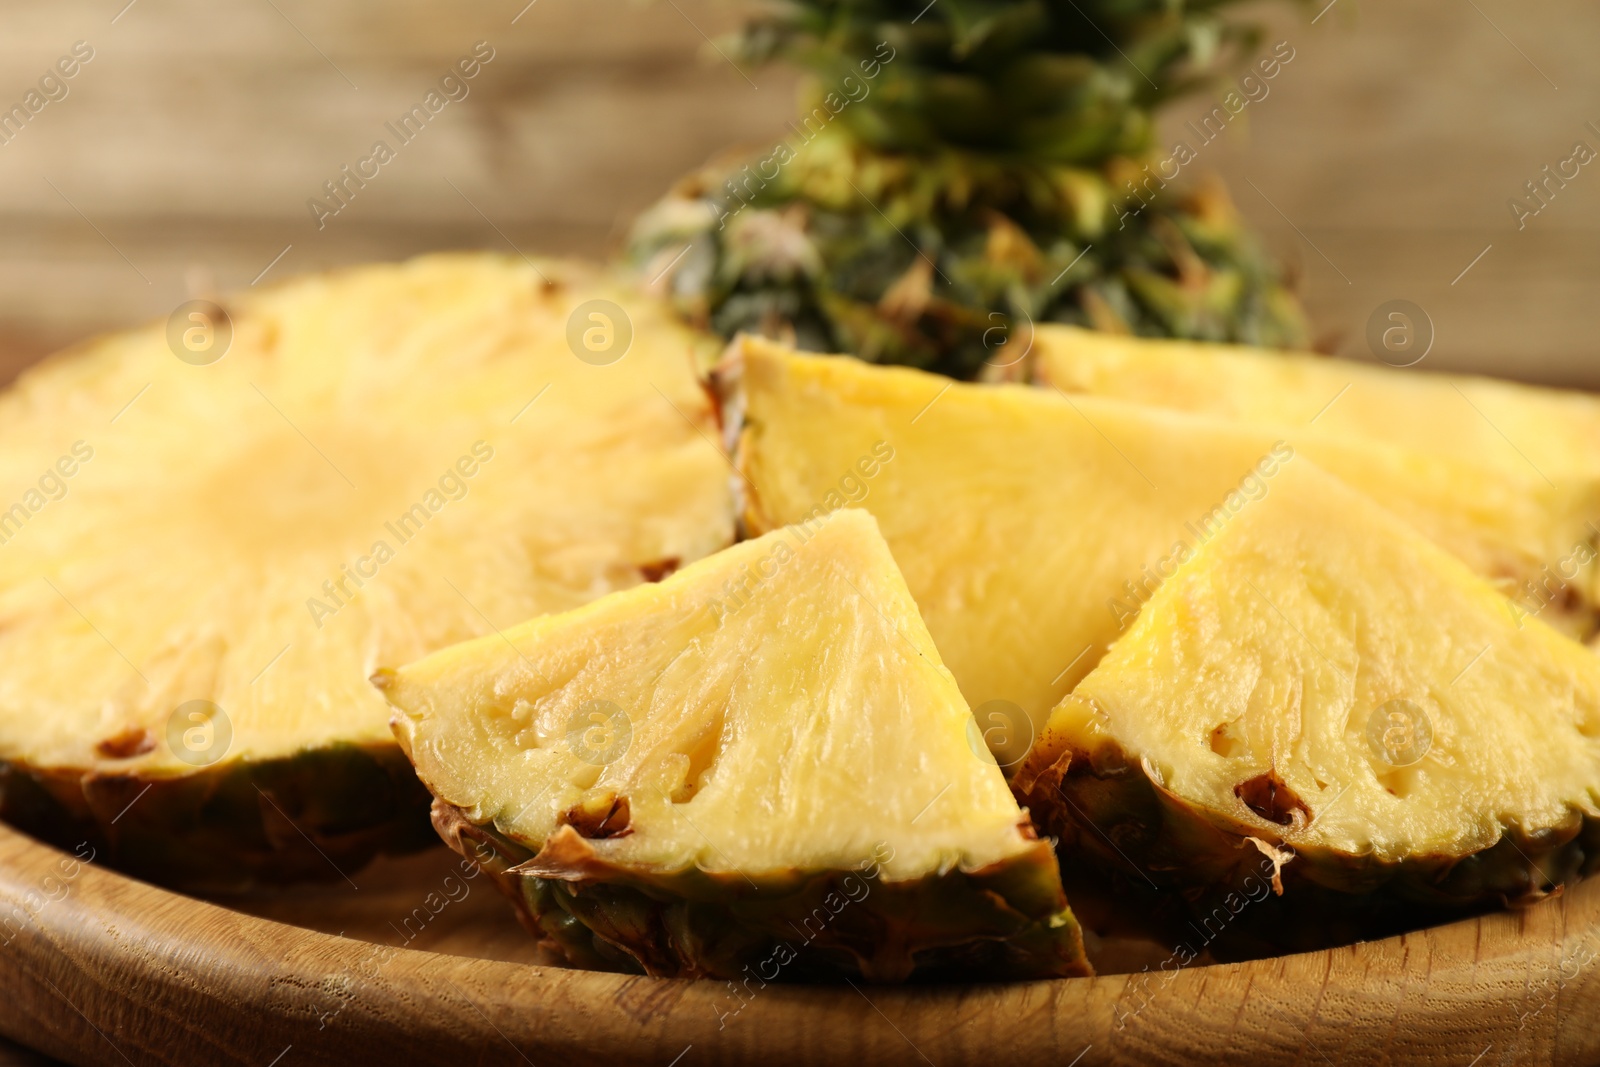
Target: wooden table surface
{"type": "Point", "coordinates": [1379, 165]}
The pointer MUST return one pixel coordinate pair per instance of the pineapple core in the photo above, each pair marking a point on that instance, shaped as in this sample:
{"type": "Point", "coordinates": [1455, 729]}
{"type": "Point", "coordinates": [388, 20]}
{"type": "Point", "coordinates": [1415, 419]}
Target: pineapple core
{"type": "Point", "coordinates": [1322, 675]}
{"type": "Point", "coordinates": [382, 462]}
{"type": "Point", "coordinates": [1033, 527]}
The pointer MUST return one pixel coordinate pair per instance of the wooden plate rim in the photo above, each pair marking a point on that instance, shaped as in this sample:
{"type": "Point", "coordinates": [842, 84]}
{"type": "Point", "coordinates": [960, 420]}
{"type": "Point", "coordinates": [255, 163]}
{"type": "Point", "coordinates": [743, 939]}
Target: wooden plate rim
{"type": "Point", "coordinates": [97, 968]}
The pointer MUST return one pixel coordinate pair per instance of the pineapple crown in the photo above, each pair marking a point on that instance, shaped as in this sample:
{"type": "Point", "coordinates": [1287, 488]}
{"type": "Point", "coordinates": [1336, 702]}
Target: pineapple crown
{"type": "Point", "coordinates": [1056, 81]}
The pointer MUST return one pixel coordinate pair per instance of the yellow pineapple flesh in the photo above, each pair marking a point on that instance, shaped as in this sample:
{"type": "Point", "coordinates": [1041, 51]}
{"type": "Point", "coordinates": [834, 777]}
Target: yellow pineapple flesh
{"type": "Point", "coordinates": [1522, 429]}
{"type": "Point", "coordinates": [383, 461]}
{"type": "Point", "coordinates": [761, 756]}
{"type": "Point", "coordinates": [1031, 526]}
{"type": "Point", "coordinates": [1324, 680]}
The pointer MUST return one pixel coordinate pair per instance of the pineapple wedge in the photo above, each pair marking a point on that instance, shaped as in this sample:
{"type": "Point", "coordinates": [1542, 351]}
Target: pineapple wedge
{"type": "Point", "coordinates": [384, 461]}
{"type": "Point", "coordinates": [1322, 679]}
{"type": "Point", "coordinates": [1517, 428]}
{"type": "Point", "coordinates": [1031, 527]}
{"type": "Point", "coordinates": [759, 765]}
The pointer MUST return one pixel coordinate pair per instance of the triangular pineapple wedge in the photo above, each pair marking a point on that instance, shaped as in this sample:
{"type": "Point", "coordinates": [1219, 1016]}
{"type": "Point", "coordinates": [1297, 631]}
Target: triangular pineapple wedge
{"type": "Point", "coordinates": [1032, 526]}
{"type": "Point", "coordinates": [1518, 428]}
{"type": "Point", "coordinates": [378, 463]}
{"type": "Point", "coordinates": [759, 765]}
{"type": "Point", "coordinates": [1323, 679]}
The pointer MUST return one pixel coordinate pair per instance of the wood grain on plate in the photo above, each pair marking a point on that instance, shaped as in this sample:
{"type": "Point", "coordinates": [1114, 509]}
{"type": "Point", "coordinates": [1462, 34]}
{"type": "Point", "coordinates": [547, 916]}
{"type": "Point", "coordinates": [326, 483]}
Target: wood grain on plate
{"type": "Point", "coordinates": [101, 969]}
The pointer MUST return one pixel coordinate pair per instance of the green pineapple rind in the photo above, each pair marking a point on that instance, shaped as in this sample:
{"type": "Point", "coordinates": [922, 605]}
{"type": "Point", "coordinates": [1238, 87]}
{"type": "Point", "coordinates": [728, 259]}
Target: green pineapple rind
{"type": "Point", "coordinates": [1103, 808]}
{"type": "Point", "coordinates": [1009, 920]}
{"type": "Point", "coordinates": [313, 816]}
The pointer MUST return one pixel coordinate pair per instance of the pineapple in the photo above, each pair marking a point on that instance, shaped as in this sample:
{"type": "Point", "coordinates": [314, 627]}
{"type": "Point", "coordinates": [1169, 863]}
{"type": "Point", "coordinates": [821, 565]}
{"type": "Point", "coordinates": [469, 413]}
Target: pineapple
{"type": "Point", "coordinates": [757, 766]}
{"type": "Point", "coordinates": [962, 170]}
{"type": "Point", "coordinates": [1326, 683]}
{"type": "Point", "coordinates": [382, 462]}
{"type": "Point", "coordinates": [1518, 428]}
{"type": "Point", "coordinates": [1031, 526]}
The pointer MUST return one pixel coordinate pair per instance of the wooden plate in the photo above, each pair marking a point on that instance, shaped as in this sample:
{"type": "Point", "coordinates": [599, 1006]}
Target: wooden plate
{"type": "Point", "coordinates": [431, 969]}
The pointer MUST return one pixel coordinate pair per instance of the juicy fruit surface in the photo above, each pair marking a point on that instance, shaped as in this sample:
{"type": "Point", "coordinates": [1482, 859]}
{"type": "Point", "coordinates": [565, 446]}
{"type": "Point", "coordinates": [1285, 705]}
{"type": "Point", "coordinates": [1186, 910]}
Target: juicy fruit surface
{"type": "Point", "coordinates": [1032, 526]}
{"type": "Point", "coordinates": [802, 729]}
{"type": "Point", "coordinates": [1322, 675]}
{"type": "Point", "coordinates": [758, 764]}
{"type": "Point", "coordinates": [1518, 428]}
{"type": "Point", "coordinates": [373, 423]}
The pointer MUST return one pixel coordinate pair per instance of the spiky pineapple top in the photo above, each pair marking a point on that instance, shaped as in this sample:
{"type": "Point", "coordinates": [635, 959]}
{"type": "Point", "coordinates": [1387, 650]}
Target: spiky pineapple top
{"type": "Point", "coordinates": [960, 170]}
{"type": "Point", "coordinates": [1044, 80]}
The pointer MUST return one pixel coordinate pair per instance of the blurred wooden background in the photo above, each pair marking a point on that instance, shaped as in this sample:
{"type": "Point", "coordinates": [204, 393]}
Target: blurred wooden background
{"type": "Point", "coordinates": [1380, 165]}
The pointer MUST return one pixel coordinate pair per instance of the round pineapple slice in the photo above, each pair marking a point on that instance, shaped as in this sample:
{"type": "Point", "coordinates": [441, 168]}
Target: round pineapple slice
{"type": "Point", "coordinates": [1524, 430]}
{"type": "Point", "coordinates": [758, 767]}
{"type": "Point", "coordinates": [213, 530]}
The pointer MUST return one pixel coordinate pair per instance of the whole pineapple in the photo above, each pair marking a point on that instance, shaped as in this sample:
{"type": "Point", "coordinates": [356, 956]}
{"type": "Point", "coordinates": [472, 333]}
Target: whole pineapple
{"type": "Point", "coordinates": [964, 168]}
